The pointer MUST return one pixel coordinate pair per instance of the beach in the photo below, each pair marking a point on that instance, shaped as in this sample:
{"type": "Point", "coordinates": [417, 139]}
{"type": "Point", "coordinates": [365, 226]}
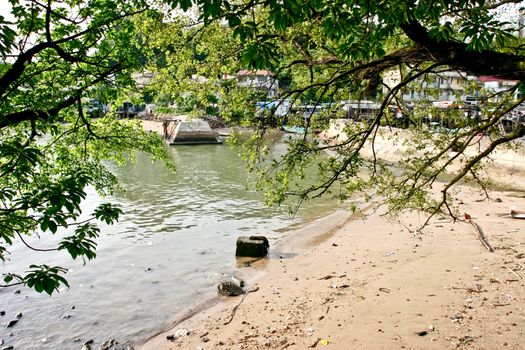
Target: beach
{"type": "Point", "coordinates": [376, 284]}
{"type": "Point", "coordinates": [366, 282]}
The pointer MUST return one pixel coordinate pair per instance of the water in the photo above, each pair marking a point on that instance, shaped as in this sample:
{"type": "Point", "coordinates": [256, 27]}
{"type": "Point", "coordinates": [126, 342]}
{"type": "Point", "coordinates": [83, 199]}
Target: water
{"type": "Point", "coordinates": [169, 250]}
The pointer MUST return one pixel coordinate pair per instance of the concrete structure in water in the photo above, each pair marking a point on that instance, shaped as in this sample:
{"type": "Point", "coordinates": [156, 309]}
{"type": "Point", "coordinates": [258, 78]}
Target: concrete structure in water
{"type": "Point", "coordinates": [190, 132]}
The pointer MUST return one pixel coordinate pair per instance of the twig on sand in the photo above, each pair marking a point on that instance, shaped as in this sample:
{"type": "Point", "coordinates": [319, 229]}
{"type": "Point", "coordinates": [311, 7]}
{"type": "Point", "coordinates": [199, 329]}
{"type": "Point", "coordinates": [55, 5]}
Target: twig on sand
{"type": "Point", "coordinates": [501, 304]}
{"type": "Point", "coordinates": [315, 343]}
{"type": "Point", "coordinates": [479, 231]}
{"type": "Point", "coordinates": [328, 277]}
{"type": "Point", "coordinates": [240, 302]}
{"type": "Point", "coordinates": [472, 290]}
{"type": "Point", "coordinates": [514, 272]}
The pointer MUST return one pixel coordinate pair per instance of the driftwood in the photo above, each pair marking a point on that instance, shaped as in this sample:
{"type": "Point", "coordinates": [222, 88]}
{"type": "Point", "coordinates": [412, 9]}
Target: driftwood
{"type": "Point", "coordinates": [479, 232]}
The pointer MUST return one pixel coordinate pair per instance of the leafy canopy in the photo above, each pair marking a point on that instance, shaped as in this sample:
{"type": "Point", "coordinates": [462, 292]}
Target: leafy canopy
{"type": "Point", "coordinates": [329, 51]}
{"type": "Point", "coordinates": [55, 58]}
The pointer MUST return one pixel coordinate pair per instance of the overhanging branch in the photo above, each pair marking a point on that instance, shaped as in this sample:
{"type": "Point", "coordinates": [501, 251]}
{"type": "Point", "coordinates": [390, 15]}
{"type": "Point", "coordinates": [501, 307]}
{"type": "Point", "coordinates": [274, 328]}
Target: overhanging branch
{"type": "Point", "coordinates": [457, 55]}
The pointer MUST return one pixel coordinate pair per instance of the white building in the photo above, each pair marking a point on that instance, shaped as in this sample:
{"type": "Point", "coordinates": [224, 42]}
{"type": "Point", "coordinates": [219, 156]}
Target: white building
{"type": "Point", "coordinates": [262, 80]}
{"type": "Point", "coordinates": [496, 86]}
{"type": "Point", "coordinates": [142, 79]}
{"type": "Point", "coordinates": [444, 86]}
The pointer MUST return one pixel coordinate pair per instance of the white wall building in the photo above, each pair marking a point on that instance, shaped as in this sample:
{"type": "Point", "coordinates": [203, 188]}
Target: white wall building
{"type": "Point", "coordinates": [263, 80]}
{"type": "Point", "coordinates": [444, 86]}
{"type": "Point", "coordinates": [142, 79]}
{"type": "Point", "coordinates": [496, 86]}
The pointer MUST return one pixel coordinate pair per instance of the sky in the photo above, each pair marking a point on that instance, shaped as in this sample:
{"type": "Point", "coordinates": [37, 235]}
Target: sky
{"type": "Point", "coordinates": [5, 10]}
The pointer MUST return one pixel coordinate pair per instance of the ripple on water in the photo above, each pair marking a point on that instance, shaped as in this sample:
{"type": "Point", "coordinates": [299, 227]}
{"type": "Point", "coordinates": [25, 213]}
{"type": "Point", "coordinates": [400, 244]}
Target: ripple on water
{"type": "Point", "coordinates": [171, 246]}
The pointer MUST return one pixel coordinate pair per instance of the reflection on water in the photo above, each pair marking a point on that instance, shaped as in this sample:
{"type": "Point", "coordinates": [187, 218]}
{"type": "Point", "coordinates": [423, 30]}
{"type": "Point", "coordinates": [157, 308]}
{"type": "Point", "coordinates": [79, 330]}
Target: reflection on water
{"type": "Point", "coordinates": [168, 250]}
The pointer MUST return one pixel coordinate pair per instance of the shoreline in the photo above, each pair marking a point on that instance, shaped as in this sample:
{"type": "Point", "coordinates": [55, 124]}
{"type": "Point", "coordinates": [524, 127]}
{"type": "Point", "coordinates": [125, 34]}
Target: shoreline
{"type": "Point", "coordinates": [294, 242]}
{"type": "Point", "coordinates": [373, 284]}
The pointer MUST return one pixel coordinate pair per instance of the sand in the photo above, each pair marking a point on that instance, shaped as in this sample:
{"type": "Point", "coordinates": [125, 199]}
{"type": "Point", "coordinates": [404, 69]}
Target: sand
{"type": "Point", "coordinates": [375, 284]}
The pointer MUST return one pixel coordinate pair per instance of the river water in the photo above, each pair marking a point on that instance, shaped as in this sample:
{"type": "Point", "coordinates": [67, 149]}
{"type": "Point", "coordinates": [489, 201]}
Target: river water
{"type": "Point", "coordinates": [168, 251]}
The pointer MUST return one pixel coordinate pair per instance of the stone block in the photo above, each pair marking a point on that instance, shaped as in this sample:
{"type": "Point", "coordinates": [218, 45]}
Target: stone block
{"type": "Point", "coordinates": [253, 246]}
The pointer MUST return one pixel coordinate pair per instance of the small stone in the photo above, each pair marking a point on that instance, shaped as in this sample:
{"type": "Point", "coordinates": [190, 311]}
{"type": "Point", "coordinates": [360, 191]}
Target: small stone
{"type": "Point", "coordinates": [10, 347]}
{"type": "Point", "coordinates": [230, 288]}
{"type": "Point", "coordinates": [19, 316]}
{"type": "Point", "coordinates": [238, 281]}
{"type": "Point", "coordinates": [182, 332]}
{"type": "Point", "coordinates": [170, 337]}
{"type": "Point", "coordinates": [422, 333]}
{"type": "Point", "coordinates": [72, 307]}
{"type": "Point", "coordinates": [108, 344]}
{"type": "Point", "coordinates": [11, 323]}
{"type": "Point", "coordinates": [17, 291]}
{"type": "Point", "coordinates": [205, 339]}
{"type": "Point", "coordinates": [2, 313]}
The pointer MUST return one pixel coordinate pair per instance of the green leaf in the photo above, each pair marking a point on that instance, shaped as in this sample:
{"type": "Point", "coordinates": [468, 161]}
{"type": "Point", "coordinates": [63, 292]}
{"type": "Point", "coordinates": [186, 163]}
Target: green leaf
{"type": "Point", "coordinates": [52, 226]}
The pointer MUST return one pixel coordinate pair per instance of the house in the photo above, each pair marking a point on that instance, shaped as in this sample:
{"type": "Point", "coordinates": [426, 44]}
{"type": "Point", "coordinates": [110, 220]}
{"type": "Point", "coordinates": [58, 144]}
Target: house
{"type": "Point", "coordinates": [262, 80]}
{"type": "Point", "coordinates": [142, 79]}
{"type": "Point", "coordinates": [496, 86]}
{"type": "Point", "coordinates": [444, 86]}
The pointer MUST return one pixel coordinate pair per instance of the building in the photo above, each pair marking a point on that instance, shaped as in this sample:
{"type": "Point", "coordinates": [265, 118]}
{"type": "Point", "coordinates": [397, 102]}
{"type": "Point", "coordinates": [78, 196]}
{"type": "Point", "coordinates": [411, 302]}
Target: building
{"type": "Point", "coordinates": [142, 79]}
{"type": "Point", "coordinates": [262, 80]}
{"type": "Point", "coordinates": [444, 86]}
{"type": "Point", "coordinates": [497, 86]}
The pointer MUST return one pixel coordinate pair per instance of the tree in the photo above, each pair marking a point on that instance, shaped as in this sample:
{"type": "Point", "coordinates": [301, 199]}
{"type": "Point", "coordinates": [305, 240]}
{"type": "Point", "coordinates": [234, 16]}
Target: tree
{"type": "Point", "coordinates": [55, 56]}
{"type": "Point", "coordinates": [341, 49]}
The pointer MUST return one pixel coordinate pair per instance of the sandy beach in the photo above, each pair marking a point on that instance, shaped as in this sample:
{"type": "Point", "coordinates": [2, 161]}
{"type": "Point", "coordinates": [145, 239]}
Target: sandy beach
{"type": "Point", "coordinates": [344, 282]}
{"type": "Point", "coordinates": [373, 284]}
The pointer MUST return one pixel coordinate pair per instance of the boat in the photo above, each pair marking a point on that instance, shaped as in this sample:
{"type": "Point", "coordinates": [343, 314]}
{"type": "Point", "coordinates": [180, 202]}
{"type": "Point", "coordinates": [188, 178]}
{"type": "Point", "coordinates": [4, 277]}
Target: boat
{"type": "Point", "coordinates": [517, 214]}
{"type": "Point", "coordinates": [293, 129]}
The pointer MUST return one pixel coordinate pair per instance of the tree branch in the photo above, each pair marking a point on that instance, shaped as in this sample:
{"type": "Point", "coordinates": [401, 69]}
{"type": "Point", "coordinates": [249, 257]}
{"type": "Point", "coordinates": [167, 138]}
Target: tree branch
{"type": "Point", "coordinates": [18, 117]}
{"type": "Point", "coordinates": [457, 55]}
